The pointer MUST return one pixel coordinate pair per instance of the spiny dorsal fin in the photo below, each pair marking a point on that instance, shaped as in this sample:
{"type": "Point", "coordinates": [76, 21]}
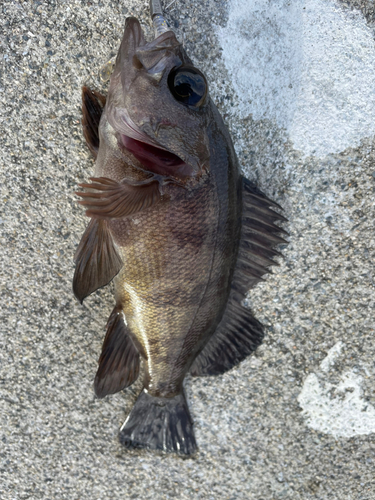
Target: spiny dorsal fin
{"type": "Point", "coordinates": [119, 361]}
{"type": "Point", "coordinates": [97, 260]}
{"type": "Point", "coordinates": [118, 199]}
{"type": "Point", "coordinates": [92, 107]}
{"type": "Point", "coordinates": [259, 236]}
{"type": "Point", "coordinates": [239, 333]}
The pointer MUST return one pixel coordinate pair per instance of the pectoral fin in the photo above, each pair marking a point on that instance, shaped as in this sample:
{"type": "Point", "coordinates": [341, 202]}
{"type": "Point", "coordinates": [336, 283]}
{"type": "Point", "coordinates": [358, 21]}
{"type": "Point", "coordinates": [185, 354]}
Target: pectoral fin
{"type": "Point", "coordinates": [111, 199]}
{"type": "Point", "coordinates": [92, 107]}
{"type": "Point", "coordinates": [119, 361]}
{"type": "Point", "coordinates": [97, 260]}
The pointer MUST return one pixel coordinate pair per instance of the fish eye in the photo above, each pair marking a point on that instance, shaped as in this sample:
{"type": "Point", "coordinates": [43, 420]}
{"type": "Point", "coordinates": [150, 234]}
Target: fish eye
{"type": "Point", "coordinates": [188, 85]}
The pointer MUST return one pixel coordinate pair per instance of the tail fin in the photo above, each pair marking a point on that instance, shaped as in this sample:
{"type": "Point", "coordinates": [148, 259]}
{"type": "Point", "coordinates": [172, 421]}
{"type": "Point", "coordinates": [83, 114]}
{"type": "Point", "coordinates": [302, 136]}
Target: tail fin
{"type": "Point", "coordinates": [159, 424]}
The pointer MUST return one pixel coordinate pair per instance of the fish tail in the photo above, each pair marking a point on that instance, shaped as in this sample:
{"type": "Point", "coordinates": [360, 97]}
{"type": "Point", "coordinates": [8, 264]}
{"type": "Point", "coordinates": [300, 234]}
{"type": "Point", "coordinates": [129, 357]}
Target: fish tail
{"type": "Point", "coordinates": [159, 423]}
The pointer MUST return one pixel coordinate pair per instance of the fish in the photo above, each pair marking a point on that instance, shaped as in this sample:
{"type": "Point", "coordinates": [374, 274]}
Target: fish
{"type": "Point", "coordinates": [178, 229]}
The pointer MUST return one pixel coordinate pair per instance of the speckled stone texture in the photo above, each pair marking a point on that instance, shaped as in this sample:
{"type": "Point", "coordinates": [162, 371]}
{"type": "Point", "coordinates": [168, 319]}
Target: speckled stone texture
{"type": "Point", "coordinates": [57, 441]}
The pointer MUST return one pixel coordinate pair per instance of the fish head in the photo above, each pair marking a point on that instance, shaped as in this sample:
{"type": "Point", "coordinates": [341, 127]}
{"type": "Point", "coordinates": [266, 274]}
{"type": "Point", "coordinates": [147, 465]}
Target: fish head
{"type": "Point", "coordinates": [158, 104]}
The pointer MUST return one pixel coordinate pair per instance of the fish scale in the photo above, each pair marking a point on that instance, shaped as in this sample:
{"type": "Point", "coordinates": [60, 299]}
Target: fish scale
{"type": "Point", "coordinates": [158, 265]}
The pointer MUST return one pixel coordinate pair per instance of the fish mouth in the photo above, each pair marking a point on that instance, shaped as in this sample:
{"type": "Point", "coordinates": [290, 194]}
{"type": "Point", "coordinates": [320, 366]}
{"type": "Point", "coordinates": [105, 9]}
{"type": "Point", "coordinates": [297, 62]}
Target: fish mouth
{"type": "Point", "coordinates": [156, 159]}
{"type": "Point", "coordinates": [147, 151]}
{"type": "Point", "coordinates": [153, 157]}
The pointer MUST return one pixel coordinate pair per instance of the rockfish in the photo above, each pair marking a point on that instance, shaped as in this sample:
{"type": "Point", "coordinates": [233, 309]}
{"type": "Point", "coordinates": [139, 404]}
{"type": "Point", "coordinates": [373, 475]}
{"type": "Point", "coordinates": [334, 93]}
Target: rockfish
{"type": "Point", "coordinates": [177, 227]}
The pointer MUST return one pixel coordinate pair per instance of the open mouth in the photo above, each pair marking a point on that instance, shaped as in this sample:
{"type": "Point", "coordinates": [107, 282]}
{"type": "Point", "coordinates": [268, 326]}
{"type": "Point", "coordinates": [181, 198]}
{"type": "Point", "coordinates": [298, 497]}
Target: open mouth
{"type": "Point", "coordinates": [153, 157]}
{"type": "Point", "coordinates": [156, 160]}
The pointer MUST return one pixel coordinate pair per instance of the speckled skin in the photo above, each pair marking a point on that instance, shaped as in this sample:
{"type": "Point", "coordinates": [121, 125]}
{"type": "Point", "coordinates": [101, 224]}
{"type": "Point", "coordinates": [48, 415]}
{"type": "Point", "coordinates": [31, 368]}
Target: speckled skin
{"type": "Point", "coordinates": [180, 253]}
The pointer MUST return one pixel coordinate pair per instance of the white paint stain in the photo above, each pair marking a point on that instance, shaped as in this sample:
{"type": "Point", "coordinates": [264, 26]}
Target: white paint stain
{"type": "Point", "coordinates": [308, 65]}
{"type": "Point", "coordinates": [338, 410]}
{"type": "Point", "coordinates": [332, 355]}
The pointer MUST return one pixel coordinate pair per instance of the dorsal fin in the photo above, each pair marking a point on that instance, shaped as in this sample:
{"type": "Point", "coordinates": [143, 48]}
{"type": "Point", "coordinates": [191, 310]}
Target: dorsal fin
{"type": "Point", "coordinates": [237, 336]}
{"type": "Point", "coordinates": [259, 236]}
{"type": "Point", "coordinates": [239, 333]}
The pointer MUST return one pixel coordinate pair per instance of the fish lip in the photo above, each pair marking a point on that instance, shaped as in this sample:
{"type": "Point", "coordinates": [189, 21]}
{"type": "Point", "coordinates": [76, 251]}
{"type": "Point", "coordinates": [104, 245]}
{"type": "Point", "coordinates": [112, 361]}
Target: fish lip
{"type": "Point", "coordinates": [156, 159]}
{"type": "Point", "coordinates": [120, 121]}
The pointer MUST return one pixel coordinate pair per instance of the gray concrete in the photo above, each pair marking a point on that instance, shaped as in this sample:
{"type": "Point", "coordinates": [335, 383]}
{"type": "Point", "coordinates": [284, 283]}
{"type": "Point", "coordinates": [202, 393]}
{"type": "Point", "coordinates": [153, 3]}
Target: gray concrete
{"type": "Point", "coordinates": [255, 440]}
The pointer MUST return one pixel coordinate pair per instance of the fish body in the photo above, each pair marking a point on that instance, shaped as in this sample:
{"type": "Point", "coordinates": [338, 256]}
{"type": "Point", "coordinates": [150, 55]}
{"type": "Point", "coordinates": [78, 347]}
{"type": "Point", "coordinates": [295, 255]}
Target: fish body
{"type": "Point", "coordinates": [179, 257]}
{"type": "Point", "coordinates": [181, 232]}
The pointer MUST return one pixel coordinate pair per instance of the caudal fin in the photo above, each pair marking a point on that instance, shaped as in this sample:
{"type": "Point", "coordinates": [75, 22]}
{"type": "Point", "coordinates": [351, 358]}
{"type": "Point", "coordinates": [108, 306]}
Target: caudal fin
{"type": "Point", "coordinates": [159, 424]}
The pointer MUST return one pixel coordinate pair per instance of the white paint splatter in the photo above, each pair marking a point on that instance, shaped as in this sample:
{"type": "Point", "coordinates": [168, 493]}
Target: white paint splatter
{"type": "Point", "coordinates": [332, 355]}
{"type": "Point", "coordinates": [308, 65]}
{"type": "Point", "coordinates": [337, 410]}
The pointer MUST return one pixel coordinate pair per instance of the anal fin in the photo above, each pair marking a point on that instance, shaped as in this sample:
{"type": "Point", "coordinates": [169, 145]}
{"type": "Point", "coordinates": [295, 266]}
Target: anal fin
{"type": "Point", "coordinates": [239, 333]}
{"type": "Point", "coordinates": [97, 260]}
{"type": "Point", "coordinates": [119, 361]}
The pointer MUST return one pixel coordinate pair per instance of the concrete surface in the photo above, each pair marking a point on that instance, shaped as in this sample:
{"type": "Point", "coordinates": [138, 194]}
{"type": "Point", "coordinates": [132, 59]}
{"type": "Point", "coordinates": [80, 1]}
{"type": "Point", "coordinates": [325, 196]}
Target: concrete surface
{"type": "Point", "coordinates": [295, 421]}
